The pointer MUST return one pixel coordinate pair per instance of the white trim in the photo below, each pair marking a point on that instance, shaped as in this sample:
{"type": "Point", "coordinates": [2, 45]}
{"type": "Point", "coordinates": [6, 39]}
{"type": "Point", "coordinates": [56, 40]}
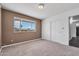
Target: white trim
{"type": "Point", "coordinates": [24, 19]}
{"type": "Point", "coordinates": [18, 43]}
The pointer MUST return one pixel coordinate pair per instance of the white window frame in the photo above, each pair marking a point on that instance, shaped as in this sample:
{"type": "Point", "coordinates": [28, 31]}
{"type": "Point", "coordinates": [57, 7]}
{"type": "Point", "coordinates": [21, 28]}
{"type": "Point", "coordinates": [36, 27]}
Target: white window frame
{"type": "Point", "coordinates": [22, 19]}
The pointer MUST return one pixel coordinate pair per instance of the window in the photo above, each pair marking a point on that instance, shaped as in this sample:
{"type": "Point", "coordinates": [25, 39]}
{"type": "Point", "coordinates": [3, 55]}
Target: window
{"type": "Point", "coordinates": [24, 25]}
{"type": "Point", "coordinates": [16, 25]}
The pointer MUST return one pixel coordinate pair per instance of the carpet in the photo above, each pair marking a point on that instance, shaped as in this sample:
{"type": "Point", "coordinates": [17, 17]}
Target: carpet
{"type": "Point", "coordinates": [40, 48]}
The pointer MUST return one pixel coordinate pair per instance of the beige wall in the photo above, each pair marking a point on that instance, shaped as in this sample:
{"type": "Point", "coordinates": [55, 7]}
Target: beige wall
{"type": "Point", "coordinates": [9, 36]}
{"type": "Point", "coordinates": [0, 27]}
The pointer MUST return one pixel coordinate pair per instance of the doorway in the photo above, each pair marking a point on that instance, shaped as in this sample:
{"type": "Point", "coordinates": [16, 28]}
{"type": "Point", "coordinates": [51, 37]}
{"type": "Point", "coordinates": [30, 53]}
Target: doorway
{"type": "Point", "coordinates": [74, 31]}
{"type": "Point", "coordinates": [77, 31]}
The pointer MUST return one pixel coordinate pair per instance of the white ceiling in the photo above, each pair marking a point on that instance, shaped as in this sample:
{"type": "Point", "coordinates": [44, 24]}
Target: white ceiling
{"type": "Point", "coordinates": [31, 9]}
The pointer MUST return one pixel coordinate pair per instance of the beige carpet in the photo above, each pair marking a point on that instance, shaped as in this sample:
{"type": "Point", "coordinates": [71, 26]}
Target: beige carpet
{"type": "Point", "coordinates": [40, 48]}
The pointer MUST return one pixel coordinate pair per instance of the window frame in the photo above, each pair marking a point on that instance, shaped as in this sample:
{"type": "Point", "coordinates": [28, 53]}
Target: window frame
{"type": "Point", "coordinates": [25, 20]}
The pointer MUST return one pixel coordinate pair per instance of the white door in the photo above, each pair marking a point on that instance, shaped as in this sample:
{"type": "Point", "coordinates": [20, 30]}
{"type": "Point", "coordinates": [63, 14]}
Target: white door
{"type": "Point", "coordinates": [57, 32]}
{"type": "Point", "coordinates": [53, 31]}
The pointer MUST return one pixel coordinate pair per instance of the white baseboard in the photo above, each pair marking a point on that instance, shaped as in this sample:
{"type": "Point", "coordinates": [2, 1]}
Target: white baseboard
{"type": "Point", "coordinates": [18, 43]}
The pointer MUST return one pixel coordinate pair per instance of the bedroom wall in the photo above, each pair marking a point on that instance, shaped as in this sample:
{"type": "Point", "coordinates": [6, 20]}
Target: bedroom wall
{"type": "Point", "coordinates": [56, 28]}
{"type": "Point", "coordinates": [9, 36]}
{"type": "Point", "coordinates": [0, 27]}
